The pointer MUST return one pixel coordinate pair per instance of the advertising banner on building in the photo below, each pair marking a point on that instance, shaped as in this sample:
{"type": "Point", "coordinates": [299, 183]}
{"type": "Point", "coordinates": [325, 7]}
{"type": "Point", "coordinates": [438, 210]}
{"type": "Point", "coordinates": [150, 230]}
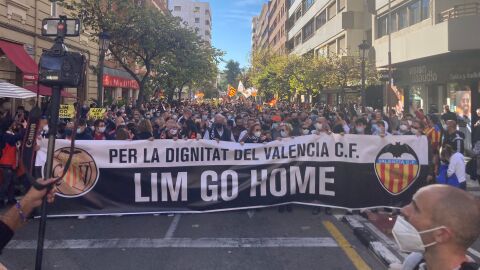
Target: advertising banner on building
{"type": "Point", "coordinates": [166, 176]}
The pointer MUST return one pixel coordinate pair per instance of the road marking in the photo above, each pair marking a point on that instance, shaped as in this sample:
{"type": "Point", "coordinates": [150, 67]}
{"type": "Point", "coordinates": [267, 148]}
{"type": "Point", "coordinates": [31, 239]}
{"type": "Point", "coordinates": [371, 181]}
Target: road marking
{"type": "Point", "coordinates": [292, 242]}
{"type": "Point", "coordinates": [357, 261]}
{"type": "Point", "coordinates": [474, 252]}
{"type": "Point", "coordinates": [173, 227]}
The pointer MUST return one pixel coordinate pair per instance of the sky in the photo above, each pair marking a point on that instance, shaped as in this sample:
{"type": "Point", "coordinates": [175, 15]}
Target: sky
{"type": "Point", "coordinates": [232, 27]}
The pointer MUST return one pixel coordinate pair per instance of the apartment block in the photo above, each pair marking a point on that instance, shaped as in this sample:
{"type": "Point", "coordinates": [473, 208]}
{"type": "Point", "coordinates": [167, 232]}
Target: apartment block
{"type": "Point", "coordinates": [328, 26]}
{"type": "Point", "coordinates": [196, 15]}
{"type": "Point", "coordinates": [434, 48]}
{"type": "Point", "coordinates": [277, 20]}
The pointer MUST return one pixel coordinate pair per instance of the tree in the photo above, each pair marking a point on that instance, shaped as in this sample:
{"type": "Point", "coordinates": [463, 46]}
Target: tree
{"type": "Point", "coordinates": [232, 71]}
{"type": "Point", "coordinates": [144, 38]}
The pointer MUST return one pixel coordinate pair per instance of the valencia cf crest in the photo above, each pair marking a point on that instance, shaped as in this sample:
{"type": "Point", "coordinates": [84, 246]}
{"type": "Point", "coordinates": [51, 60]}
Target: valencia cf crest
{"type": "Point", "coordinates": [82, 174]}
{"type": "Point", "coordinates": [397, 167]}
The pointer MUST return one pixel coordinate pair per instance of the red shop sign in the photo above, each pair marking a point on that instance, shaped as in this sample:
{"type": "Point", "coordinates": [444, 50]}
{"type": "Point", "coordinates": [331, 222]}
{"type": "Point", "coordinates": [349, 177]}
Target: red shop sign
{"type": "Point", "coordinates": [112, 81]}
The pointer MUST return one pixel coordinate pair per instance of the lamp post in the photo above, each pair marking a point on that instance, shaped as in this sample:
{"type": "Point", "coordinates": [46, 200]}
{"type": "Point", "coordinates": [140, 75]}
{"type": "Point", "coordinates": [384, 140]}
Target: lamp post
{"type": "Point", "coordinates": [104, 39]}
{"type": "Point", "coordinates": [363, 47]}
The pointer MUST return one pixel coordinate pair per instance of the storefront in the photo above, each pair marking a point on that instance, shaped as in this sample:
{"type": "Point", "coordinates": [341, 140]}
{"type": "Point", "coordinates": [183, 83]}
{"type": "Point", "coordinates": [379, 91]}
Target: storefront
{"type": "Point", "coordinates": [18, 67]}
{"type": "Point", "coordinates": [431, 83]}
{"type": "Point", "coordinates": [119, 85]}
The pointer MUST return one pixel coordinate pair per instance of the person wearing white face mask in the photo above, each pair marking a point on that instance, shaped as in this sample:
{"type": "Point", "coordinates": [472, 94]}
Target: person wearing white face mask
{"type": "Point", "coordinates": [441, 223]}
{"type": "Point", "coordinates": [82, 133]}
{"type": "Point", "coordinates": [100, 127]}
{"type": "Point", "coordinates": [254, 135]}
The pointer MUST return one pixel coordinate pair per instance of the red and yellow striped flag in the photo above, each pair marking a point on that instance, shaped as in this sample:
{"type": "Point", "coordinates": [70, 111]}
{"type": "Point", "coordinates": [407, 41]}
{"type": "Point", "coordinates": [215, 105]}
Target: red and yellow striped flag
{"type": "Point", "coordinates": [231, 91]}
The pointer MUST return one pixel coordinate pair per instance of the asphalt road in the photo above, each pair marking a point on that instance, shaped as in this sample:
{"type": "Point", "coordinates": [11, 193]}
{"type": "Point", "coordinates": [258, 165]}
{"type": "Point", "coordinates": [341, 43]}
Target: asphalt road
{"type": "Point", "coordinates": [251, 240]}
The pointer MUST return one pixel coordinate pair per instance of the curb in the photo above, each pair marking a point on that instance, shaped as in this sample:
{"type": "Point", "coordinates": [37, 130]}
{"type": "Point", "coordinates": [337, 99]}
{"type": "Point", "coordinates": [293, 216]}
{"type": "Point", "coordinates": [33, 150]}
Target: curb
{"type": "Point", "coordinates": [370, 240]}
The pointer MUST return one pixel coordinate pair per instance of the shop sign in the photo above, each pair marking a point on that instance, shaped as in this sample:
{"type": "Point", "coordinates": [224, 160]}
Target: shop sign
{"type": "Point", "coordinates": [465, 76]}
{"type": "Point", "coordinates": [112, 81]}
{"type": "Point", "coordinates": [421, 74]}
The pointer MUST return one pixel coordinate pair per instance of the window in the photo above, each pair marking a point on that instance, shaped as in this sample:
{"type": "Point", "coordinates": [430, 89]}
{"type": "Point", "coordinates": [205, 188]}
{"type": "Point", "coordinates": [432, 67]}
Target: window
{"type": "Point", "coordinates": [425, 9]}
{"type": "Point", "coordinates": [321, 19]}
{"type": "Point", "coordinates": [394, 25]}
{"type": "Point", "coordinates": [307, 4]}
{"type": "Point", "coordinates": [207, 22]}
{"type": "Point", "coordinates": [414, 10]}
{"type": "Point", "coordinates": [341, 5]}
{"type": "Point", "coordinates": [308, 30]}
{"type": "Point", "coordinates": [177, 8]}
{"type": "Point", "coordinates": [197, 20]}
{"type": "Point", "coordinates": [342, 49]}
{"type": "Point", "coordinates": [207, 33]}
{"type": "Point", "coordinates": [382, 26]}
{"type": "Point", "coordinates": [402, 18]}
{"type": "Point", "coordinates": [298, 39]}
{"type": "Point", "coordinates": [196, 9]}
{"type": "Point", "coordinates": [332, 48]}
{"type": "Point", "coordinates": [322, 51]}
{"type": "Point", "coordinates": [332, 11]}
{"type": "Point", "coordinates": [298, 14]}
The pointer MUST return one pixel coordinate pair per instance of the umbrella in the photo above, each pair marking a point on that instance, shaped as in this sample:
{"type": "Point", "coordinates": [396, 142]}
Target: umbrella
{"type": "Point", "coordinates": [9, 90]}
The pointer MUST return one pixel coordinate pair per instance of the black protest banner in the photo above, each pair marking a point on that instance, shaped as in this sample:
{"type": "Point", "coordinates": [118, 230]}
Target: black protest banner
{"type": "Point", "coordinates": [164, 176]}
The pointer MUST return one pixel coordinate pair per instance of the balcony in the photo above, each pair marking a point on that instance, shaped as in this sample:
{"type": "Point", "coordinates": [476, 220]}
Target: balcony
{"type": "Point", "coordinates": [453, 32]}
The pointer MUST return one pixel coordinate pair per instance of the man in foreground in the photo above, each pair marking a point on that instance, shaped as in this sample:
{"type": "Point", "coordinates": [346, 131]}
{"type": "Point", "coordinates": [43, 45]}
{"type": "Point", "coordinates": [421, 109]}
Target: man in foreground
{"type": "Point", "coordinates": [441, 222]}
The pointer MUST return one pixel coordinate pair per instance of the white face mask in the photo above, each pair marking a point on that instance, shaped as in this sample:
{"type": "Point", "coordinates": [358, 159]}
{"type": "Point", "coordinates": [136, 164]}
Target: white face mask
{"type": "Point", "coordinates": [79, 130]}
{"type": "Point", "coordinates": [257, 134]}
{"type": "Point", "coordinates": [408, 238]}
{"type": "Point", "coordinates": [360, 129]}
{"type": "Point", "coordinates": [306, 132]}
{"type": "Point", "coordinates": [101, 129]}
{"type": "Point", "coordinates": [403, 127]}
{"type": "Point", "coordinates": [45, 128]}
{"type": "Point", "coordinates": [414, 131]}
{"type": "Point", "coordinates": [173, 132]}
{"type": "Point", "coordinates": [283, 134]}
{"type": "Point", "coordinates": [409, 122]}
{"type": "Point", "coordinates": [318, 126]}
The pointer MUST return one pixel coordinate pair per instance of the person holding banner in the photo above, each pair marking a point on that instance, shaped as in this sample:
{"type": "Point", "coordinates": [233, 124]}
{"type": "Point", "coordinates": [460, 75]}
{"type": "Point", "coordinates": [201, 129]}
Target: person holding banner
{"type": "Point", "coordinates": [17, 215]}
{"type": "Point", "coordinates": [254, 135]}
{"type": "Point", "coordinates": [219, 130]}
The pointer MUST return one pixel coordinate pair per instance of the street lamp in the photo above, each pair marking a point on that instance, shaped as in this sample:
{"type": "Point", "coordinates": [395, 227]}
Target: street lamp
{"type": "Point", "coordinates": [363, 47]}
{"type": "Point", "coordinates": [104, 39]}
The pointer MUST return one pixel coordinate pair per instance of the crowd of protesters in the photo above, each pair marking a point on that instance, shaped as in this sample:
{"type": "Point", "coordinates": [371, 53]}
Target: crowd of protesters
{"type": "Point", "coordinates": [246, 122]}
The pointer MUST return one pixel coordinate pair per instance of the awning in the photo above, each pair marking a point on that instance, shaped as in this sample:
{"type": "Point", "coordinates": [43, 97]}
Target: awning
{"type": "Point", "coordinates": [17, 54]}
{"type": "Point", "coordinates": [9, 90]}
{"type": "Point", "coordinates": [46, 91]}
{"type": "Point", "coordinates": [118, 78]}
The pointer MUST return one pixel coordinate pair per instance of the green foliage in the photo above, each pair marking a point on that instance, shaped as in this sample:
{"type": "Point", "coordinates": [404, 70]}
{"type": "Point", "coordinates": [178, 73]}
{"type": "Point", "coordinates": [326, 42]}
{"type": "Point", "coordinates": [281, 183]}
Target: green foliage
{"type": "Point", "coordinates": [286, 76]}
{"type": "Point", "coordinates": [167, 53]}
{"type": "Point", "coordinates": [232, 71]}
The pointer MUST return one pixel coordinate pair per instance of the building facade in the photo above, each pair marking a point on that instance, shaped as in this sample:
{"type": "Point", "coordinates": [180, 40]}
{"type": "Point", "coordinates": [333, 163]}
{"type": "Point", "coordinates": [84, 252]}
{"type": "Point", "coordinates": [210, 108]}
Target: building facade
{"type": "Point", "coordinates": [197, 15]}
{"type": "Point", "coordinates": [20, 35]}
{"type": "Point", "coordinates": [328, 26]}
{"type": "Point", "coordinates": [277, 23]}
{"type": "Point", "coordinates": [434, 54]}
